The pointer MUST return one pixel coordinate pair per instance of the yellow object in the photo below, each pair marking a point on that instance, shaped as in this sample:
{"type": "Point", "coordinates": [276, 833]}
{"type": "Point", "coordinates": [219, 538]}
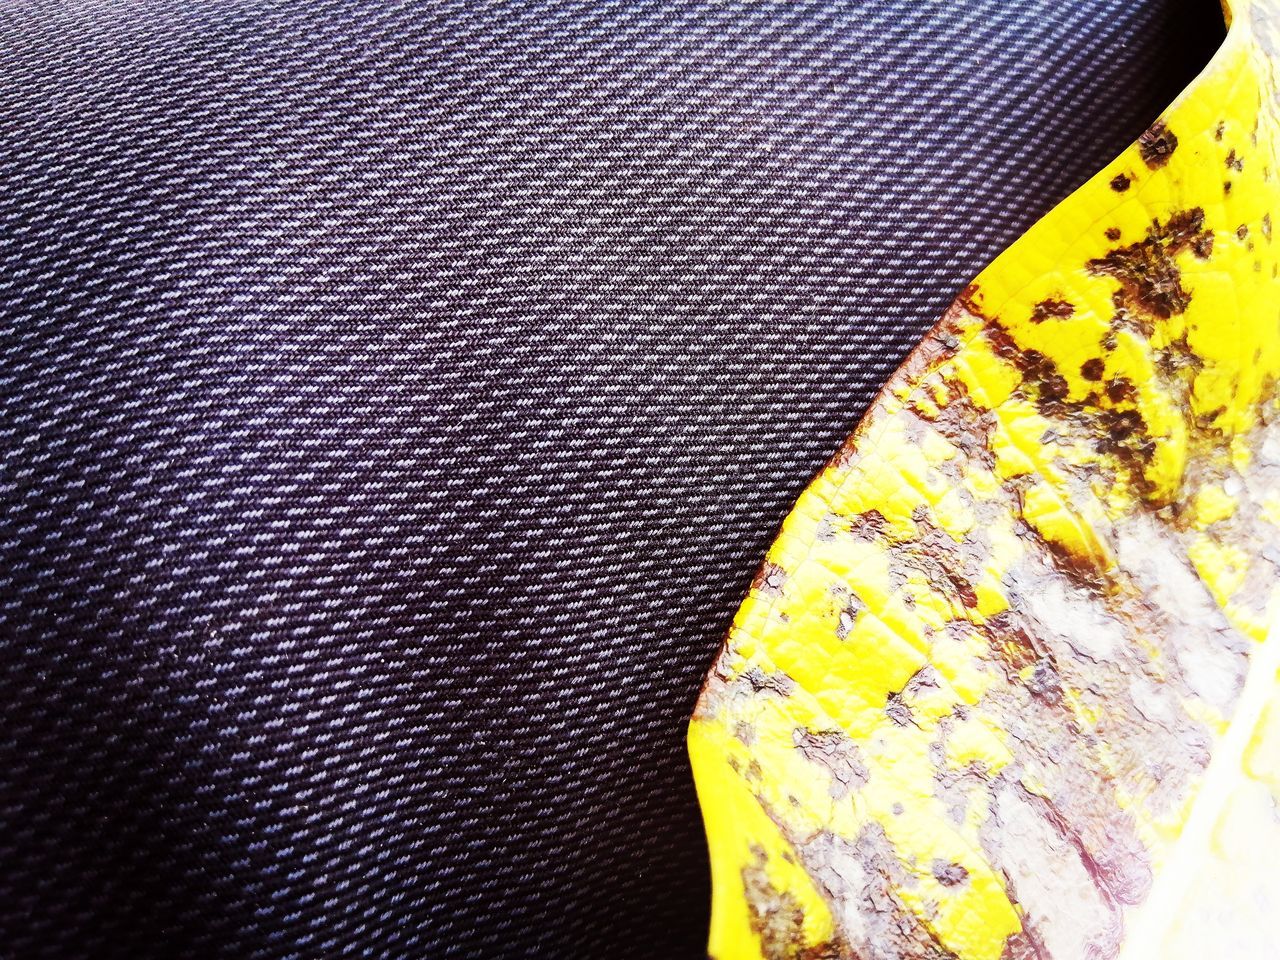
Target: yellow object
{"type": "Point", "coordinates": [1005, 686]}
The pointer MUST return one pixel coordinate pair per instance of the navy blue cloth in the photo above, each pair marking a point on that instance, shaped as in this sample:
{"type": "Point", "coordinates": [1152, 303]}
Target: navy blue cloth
{"type": "Point", "coordinates": [396, 399]}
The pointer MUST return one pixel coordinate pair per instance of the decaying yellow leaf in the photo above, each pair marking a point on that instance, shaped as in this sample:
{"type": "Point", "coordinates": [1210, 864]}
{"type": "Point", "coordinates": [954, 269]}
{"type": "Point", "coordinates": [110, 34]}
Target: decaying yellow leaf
{"type": "Point", "coordinates": [1007, 683]}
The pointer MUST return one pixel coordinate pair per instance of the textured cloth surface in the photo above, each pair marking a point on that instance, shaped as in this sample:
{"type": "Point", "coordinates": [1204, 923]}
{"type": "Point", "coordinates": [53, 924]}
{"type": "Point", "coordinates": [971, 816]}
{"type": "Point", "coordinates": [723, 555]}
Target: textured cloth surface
{"type": "Point", "coordinates": [397, 398]}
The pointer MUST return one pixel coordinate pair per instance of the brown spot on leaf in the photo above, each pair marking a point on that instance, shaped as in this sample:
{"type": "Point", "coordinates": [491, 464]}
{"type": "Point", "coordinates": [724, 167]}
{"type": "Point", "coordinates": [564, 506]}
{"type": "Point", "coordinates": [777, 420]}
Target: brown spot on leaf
{"type": "Point", "coordinates": [1242, 231]}
{"type": "Point", "coordinates": [770, 579]}
{"type": "Point", "coordinates": [1052, 308]}
{"type": "Point", "coordinates": [1124, 436]}
{"type": "Point", "coordinates": [941, 560]}
{"type": "Point", "coordinates": [1148, 274]}
{"type": "Point", "coordinates": [836, 753]}
{"type": "Point", "coordinates": [1120, 389]}
{"type": "Point", "coordinates": [949, 874]}
{"type": "Point", "coordinates": [1156, 145]}
{"type": "Point", "coordinates": [1093, 368]}
{"type": "Point", "coordinates": [896, 709]}
{"type": "Point", "coordinates": [1122, 424]}
{"type": "Point", "coordinates": [1120, 183]}
{"type": "Point", "coordinates": [1219, 130]}
{"type": "Point", "coordinates": [924, 679]}
{"type": "Point", "coordinates": [1178, 356]}
{"type": "Point", "coordinates": [1011, 642]}
{"type": "Point", "coordinates": [1044, 682]}
{"type": "Point", "coordinates": [1113, 233]}
{"type": "Point", "coordinates": [870, 526]}
{"type": "Point", "coordinates": [1039, 373]}
{"type": "Point", "coordinates": [948, 341]}
{"type": "Point", "coordinates": [777, 918]}
{"type": "Point", "coordinates": [1053, 385]}
{"type": "Point", "coordinates": [761, 682]}
{"type": "Point", "coordinates": [1234, 162]}
{"type": "Point", "coordinates": [849, 613]}
{"type": "Point", "coordinates": [967, 426]}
